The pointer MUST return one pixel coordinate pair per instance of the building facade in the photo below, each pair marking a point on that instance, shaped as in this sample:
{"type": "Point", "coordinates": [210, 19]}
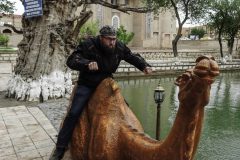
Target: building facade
{"type": "Point", "coordinates": [150, 31]}
{"type": "Point", "coordinates": [16, 21]}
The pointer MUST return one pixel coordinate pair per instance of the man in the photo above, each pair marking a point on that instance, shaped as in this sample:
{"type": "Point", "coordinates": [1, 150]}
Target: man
{"type": "Point", "coordinates": [96, 59]}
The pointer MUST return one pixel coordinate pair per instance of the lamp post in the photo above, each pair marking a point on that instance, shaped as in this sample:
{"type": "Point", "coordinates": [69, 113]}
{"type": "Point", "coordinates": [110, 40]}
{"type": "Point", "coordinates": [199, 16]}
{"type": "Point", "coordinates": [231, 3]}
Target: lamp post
{"type": "Point", "coordinates": [158, 97]}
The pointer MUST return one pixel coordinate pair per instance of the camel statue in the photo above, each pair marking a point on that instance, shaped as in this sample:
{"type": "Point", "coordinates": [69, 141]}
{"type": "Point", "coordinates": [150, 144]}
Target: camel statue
{"type": "Point", "coordinates": [108, 129]}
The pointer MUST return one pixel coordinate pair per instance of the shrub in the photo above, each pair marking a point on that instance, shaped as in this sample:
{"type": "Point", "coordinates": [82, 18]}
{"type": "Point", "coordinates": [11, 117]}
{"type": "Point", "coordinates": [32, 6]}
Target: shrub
{"type": "Point", "coordinates": [4, 40]}
{"type": "Point", "coordinates": [198, 32]}
{"type": "Point", "coordinates": [88, 30]}
{"type": "Point", "coordinates": [123, 36]}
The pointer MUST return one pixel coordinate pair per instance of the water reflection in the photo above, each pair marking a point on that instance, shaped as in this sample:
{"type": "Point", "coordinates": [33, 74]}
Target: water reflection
{"type": "Point", "coordinates": [221, 132]}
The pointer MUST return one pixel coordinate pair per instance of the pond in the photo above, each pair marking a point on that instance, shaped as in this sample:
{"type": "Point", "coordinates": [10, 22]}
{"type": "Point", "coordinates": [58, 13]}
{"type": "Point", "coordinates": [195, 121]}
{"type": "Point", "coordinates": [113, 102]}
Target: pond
{"type": "Point", "coordinates": [220, 138]}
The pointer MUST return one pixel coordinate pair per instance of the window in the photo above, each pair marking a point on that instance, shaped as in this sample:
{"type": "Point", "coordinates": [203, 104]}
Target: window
{"type": "Point", "coordinates": [115, 22]}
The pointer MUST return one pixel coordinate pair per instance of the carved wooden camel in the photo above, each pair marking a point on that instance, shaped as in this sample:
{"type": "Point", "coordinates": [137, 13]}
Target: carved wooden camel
{"type": "Point", "coordinates": [108, 129]}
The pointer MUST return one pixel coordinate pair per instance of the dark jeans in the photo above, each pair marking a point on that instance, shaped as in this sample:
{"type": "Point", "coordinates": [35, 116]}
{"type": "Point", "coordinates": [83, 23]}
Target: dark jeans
{"type": "Point", "coordinates": [80, 100]}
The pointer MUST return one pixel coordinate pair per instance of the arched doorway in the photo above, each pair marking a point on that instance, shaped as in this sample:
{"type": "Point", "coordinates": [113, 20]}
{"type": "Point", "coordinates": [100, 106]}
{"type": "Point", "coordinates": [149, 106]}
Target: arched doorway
{"type": "Point", "coordinates": [7, 31]}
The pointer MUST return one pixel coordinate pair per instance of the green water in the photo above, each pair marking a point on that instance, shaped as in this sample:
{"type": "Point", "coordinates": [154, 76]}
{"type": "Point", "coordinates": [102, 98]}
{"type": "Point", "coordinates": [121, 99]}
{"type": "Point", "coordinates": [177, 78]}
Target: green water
{"type": "Point", "coordinates": [220, 139]}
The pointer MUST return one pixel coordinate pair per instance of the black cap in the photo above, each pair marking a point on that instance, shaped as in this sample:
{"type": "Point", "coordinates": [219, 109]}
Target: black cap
{"type": "Point", "coordinates": [107, 31]}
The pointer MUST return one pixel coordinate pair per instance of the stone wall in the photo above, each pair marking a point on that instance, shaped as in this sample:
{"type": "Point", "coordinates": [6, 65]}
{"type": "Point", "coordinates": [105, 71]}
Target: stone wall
{"type": "Point", "coordinates": [8, 56]}
{"type": "Point", "coordinates": [163, 62]}
{"type": "Point", "coordinates": [14, 39]}
{"type": "Point", "coordinates": [167, 55]}
{"type": "Point", "coordinates": [202, 45]}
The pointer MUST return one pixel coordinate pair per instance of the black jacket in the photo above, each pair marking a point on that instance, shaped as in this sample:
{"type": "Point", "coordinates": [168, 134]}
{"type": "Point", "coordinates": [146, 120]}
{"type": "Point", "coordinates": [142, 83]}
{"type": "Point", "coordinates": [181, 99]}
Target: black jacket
{"type": "Point", "coordinates": [90, 50]}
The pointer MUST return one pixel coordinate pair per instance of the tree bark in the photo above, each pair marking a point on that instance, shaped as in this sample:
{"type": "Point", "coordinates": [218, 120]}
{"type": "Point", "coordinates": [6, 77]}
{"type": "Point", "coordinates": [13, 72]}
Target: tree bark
{"type": "Point", "coordinates": [40, 72]}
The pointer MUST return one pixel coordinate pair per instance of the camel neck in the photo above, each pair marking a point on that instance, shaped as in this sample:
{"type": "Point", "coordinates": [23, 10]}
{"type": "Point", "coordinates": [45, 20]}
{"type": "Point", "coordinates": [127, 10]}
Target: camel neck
{"type": "Point", "coordinates": [185, 133]}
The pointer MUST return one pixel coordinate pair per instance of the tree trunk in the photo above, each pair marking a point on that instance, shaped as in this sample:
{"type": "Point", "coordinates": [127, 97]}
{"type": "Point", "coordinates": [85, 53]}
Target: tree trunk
{"type": "Point", "coordinates": [220, 43]}
{"type": "Point", "coordinates": [230, 47]}
{"type": "Point", "coordinates": [175, 41]}
{"type": "Point", "coordinates": [40, 72]}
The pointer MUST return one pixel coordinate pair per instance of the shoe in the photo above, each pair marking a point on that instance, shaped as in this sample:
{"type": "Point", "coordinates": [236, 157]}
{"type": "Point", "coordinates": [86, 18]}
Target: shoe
{"type": "Point", "coordinates": [57, 153]}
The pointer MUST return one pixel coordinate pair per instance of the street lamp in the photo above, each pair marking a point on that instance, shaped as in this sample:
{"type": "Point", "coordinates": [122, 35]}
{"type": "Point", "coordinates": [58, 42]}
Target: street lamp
{"type": "Point", "coordinates": [158, 97]}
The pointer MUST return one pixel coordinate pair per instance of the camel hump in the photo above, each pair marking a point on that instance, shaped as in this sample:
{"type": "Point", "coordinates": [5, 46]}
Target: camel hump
{"type": "Point", "coordinates": [108, 83]}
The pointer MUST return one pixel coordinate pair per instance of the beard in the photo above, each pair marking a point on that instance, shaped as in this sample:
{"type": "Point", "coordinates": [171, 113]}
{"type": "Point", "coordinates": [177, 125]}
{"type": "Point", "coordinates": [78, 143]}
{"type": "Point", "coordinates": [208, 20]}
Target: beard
{"type": "Point", "coordinates": [107, 50]}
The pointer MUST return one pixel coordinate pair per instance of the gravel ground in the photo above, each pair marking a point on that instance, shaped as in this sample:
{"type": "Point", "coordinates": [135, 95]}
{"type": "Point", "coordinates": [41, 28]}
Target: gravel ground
{"type": "Point", "coordinates": [55, 110]}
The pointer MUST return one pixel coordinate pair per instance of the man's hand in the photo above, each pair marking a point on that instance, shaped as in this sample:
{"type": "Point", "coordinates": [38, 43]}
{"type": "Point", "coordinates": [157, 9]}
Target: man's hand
{"type": "Point", "coordinates": [93, 66]}
{"type": "Point", "coordinates": [147, 70]}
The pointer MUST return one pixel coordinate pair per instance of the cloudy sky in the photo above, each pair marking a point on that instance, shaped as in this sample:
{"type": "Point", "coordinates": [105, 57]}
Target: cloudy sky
{"type": "Point", "coordinates": [18, 6]}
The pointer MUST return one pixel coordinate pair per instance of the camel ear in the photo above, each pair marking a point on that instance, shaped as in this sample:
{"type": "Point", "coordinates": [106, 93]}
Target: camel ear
{"type": "Point", "coordinates": [182, 79]}
{"type": "Point", "coordinates": [212, 58]}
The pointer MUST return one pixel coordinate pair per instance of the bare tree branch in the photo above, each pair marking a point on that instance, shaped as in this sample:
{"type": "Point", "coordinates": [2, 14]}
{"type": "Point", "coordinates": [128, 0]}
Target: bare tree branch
{"type": "Point", "coordinates": [119, 7]}
{"type": "Point", "coordinates": [83, 19]}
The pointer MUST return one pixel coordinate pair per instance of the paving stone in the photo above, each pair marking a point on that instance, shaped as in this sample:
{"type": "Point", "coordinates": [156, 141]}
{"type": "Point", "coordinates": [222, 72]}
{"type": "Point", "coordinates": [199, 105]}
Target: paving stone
{"type": "Point", "coordinates": [18, 134]}
{"type": "Point", "coordinates": [46, 157]}
{"type": "Point", "coordinates": [9, 157]}
{"type": "Point", "coordinates": [3, 132]}
{"type": "Point", "coordinates": [44, 122]}
{"type": "Point", "coordinates": [22, 112]}
{"type": "Point", "coordinates": [7, 115]}
{"type": "Point", "coordinates": [30, 127]}
{"type": "Point", "coordinates": [13, 125]}
{"type": "Point", "coordinates": [5, 144]}
{"type": "Point", "coordinates": [44, 143]}
{"type": "Point", "coordinates": [23, 115]}
{"type": "Point", "coordinates": [34, 110]}
{"type": "Point", "coordinates": [51, 131]}
{"type": "Point", "coordinates": [4, 137]}
{"type": "Point", "coordinates": [24, 147]}
{"type": "Point", "coordinates": [3, 110]}
{"type": "Point", "coordinates": [10, 117]}
{"type": "Point", "coordinates": [45, 151]}
{"type": "Point", "coordinates": [2, 125]}
{"type": "Point", "coordinates": [17, 130]}
{"type": "Point", "coordinates": [33, 128]}
{"type": "Point", "coordinates": [26, 133]}
{"type": "Point", "coordinates": [19, 108]}
{"type": "Point", "coordinates": [38, 159]}
{"type": "Point", "coordinates": [21, 140]}
{"type": "Point", "coordinates": [28, 155]}
{"type": "Point", "coordinates": [6, 151]}
{"type": "Point", "coordinates": [29, 118]}
{"type": "Point", "coordinates": [30, 122]}
{"type": "Point", "coordinates": [38, 136]}
{"type": "Point", "coordinates": [8, 111]}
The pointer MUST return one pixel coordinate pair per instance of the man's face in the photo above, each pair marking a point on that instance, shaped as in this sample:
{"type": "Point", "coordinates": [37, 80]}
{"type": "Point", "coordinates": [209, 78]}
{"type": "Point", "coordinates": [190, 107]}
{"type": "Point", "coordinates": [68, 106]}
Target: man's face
{"type": "Point", "coordinates": [108, 41]}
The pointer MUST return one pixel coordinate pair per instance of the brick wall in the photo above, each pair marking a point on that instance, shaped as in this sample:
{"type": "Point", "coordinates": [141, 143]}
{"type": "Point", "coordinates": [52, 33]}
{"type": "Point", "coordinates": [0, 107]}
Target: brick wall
{"type": "Point", "coordinates": [9, 56]}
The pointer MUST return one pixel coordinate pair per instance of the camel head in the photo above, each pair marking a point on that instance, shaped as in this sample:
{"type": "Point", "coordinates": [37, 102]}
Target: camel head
{"type": "Point", "coordinates": [195, 84]}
